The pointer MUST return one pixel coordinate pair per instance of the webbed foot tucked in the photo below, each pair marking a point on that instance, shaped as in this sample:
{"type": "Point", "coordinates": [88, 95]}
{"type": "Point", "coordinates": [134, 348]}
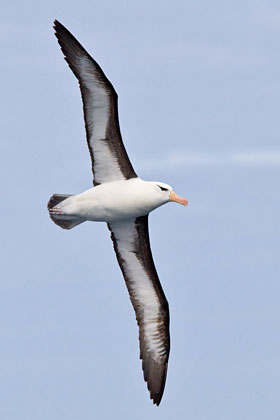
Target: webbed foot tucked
{"type": "Point", "coordinates": [57, 214]}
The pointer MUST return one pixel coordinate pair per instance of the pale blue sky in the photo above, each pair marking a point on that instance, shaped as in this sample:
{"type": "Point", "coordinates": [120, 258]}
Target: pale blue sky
{"type": "Point", "coordinates": [199, 88]}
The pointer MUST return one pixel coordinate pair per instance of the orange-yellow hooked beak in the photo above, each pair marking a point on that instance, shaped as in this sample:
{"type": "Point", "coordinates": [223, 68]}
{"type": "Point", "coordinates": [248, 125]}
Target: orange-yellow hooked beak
{"type": "Point", "coordinates": [177, 199]}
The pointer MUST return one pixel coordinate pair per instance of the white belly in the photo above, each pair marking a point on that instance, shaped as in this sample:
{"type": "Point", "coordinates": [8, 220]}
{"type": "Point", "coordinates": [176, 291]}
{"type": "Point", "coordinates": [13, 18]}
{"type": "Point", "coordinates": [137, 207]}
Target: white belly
{"type": "Point", "coordinates": [110, 202]}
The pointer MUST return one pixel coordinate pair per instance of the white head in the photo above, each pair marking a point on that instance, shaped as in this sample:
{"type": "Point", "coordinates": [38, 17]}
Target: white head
{"type": "Point", "coordinates": [135, 197]}
{"type": "Point", "coordinates": [163, 193]}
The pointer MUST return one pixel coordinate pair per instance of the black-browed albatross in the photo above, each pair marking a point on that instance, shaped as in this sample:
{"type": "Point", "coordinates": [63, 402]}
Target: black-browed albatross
{"type": "Point", "coordinates": [122, 200]}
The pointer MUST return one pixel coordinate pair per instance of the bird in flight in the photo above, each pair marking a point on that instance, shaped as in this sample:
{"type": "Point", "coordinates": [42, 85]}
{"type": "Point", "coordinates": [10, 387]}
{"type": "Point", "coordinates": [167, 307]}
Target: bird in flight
{"type": "Point", "coordinates": [122, 200]}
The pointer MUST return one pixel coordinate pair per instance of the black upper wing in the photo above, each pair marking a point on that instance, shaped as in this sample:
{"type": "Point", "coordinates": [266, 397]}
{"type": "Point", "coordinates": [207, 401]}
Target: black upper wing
{"type": "Point", "coordinates": [110, 161]}
{"type": "Point", "coordinates": [132, 247]}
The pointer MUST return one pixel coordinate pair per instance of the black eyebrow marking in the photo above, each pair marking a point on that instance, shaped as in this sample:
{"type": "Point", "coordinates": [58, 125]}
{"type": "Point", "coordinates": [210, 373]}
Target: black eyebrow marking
{"type": "Point", "coordinates": [162, 188]}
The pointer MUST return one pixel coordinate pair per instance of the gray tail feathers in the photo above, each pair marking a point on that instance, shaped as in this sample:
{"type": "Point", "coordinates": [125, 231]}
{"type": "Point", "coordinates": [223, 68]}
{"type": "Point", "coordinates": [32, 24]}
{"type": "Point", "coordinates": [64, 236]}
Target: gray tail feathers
{"type": "Point", "coordinates": [64, 221]}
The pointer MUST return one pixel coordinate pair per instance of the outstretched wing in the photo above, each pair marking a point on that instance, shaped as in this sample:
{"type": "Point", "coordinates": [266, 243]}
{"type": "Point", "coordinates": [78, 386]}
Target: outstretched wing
{"type": "Point", "coordinates": [110, 161]}
{"type": "Point", "coordinates": [132, 247]}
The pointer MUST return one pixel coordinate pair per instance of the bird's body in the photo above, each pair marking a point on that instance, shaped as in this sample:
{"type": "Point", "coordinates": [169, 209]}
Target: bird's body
{"type": "Point", "coordinates": [122, 200]}
{"type": "Point", "coordinates": [114, 201]}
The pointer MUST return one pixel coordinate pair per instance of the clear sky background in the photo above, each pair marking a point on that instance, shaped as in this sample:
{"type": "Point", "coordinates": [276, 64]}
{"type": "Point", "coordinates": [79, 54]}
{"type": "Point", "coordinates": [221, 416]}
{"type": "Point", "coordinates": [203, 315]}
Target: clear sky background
{"type": "Point", "coordinates": [199, 88]}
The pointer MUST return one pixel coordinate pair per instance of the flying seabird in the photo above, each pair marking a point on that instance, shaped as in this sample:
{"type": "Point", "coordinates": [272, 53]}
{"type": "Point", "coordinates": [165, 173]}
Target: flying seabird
{"type": "Point", "coordinates": [122, 200]}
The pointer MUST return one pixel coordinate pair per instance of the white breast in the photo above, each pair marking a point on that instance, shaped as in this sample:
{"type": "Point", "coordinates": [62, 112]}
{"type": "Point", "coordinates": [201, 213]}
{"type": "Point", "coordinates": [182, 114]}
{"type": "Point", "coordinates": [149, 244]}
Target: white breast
{"type": "Point", "coordinates": [113, 201]}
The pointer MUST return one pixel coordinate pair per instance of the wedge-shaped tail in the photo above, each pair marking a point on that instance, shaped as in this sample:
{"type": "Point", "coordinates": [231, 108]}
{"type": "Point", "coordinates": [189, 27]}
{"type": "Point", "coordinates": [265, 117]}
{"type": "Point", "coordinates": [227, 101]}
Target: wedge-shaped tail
{"type": "Point", "coordinates": [56, 213]}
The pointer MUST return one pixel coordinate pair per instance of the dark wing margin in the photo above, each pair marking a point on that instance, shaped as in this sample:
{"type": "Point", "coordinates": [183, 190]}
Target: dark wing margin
{"type": "Point", "coordinates": [110, 161]}
{"type": "Point", "coordinates": [132, 247]}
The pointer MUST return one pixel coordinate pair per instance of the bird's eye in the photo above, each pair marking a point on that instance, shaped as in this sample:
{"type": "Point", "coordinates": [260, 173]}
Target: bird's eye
{"type": "Point", "coordinates": [162, 188]}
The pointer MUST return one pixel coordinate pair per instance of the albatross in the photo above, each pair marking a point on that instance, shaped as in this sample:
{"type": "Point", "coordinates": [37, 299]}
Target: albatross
{"type": "Point", "coordinates": [122, 200]}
